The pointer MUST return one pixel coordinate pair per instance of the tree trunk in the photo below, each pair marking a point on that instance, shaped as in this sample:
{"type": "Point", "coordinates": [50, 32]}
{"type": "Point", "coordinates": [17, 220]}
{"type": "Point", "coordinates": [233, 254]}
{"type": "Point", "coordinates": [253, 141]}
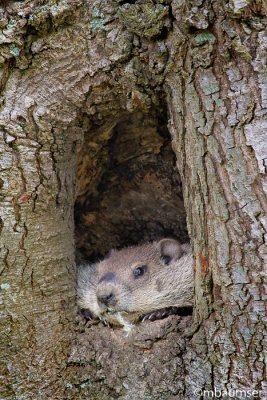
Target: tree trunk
{"type": "Point", "coordinates": [71, 75]}
{"type": "Point", "coordinates": [218, 107]}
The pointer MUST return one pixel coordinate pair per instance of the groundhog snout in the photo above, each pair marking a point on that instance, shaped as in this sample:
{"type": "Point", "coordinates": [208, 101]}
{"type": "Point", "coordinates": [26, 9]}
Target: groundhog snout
{"type": "Point", "coordinates": [106, 298]}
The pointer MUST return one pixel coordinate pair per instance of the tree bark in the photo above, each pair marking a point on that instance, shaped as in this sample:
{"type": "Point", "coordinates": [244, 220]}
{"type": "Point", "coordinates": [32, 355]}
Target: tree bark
{"type": "Point", "coordinates": [218, 110]}
{"type": "Point", "coordinates": [74, 70]}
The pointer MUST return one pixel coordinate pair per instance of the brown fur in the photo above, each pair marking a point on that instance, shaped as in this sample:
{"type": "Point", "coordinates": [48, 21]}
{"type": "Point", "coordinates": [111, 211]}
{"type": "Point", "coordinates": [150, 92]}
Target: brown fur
{"type": "Point", "coordinates": [167, 281]}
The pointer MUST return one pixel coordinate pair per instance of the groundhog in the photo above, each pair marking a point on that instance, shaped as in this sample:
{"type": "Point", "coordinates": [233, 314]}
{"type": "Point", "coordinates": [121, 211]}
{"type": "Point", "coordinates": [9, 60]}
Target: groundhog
{"type": "Point", "coordinates": [135, 283]}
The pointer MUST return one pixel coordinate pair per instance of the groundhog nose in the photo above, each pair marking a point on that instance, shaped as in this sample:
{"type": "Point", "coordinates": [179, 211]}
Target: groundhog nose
{"type": "Point", "coordinates": [108, 299]}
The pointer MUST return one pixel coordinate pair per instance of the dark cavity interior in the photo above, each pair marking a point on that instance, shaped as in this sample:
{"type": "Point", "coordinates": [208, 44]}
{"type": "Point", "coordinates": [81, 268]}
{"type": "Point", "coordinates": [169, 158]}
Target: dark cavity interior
{"type": "Point", "coordinates": [129, 187]}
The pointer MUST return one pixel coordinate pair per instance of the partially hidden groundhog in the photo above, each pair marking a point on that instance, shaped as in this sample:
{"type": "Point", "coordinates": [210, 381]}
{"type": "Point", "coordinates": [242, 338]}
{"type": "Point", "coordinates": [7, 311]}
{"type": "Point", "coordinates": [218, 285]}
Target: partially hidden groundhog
{"type": "Point", "coordinates": [140, 282]}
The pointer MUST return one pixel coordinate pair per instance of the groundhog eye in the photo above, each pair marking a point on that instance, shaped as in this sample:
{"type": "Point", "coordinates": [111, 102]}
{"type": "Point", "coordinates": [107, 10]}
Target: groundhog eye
{"type": "Point", "coordinates": [139, 271]}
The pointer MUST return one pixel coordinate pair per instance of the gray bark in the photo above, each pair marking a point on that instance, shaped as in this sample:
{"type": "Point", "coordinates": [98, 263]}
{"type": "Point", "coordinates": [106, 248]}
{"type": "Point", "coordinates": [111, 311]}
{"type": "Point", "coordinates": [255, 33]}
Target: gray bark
{"type": "Point", "coordinates": [220, 126]}
{"type": "Point", "coordinates": [69, 73]}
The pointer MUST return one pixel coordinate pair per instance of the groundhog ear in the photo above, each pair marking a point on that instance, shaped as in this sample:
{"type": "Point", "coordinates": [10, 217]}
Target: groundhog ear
{"type": "Point", "coordinates": [170, 250]}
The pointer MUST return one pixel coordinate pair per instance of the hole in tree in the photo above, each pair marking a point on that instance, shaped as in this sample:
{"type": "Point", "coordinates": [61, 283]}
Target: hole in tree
{"type": "Point", "coordinates": [129, 187]}
{"type": "Point", "coordinates": [127, 1]}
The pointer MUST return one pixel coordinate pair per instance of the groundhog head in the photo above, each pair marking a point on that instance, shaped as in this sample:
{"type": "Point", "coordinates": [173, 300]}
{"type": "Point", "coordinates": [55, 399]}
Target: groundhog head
{"type": "Point", "coordinates": [138, 280]}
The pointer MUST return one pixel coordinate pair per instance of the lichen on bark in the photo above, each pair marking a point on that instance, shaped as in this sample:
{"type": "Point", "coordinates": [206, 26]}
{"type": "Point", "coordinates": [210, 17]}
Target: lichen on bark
{"type": "Point", "coordinates": [146, 20]}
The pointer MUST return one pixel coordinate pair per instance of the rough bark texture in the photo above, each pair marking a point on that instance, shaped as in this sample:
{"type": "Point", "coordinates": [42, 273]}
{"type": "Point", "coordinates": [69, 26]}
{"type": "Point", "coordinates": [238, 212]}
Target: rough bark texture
{"type": "Point", "coordinates": [72, 73]}
{"type": "Point", "coordinates": [220, 126]}
{"type": "Point", "coordinates": [146, 364]}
